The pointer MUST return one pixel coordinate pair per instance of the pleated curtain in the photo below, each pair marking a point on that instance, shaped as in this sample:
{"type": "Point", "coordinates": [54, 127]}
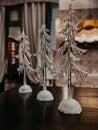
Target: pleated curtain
{"type": "Point", "coordinates": [2, 42]}
{"type": "Point", "coordinates": [33, 17]}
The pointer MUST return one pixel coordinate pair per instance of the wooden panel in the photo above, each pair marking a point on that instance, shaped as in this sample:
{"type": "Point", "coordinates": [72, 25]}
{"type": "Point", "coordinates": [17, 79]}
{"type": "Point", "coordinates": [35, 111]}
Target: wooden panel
{"type": "Point", "coordinates": [9, 56]}
{"type": "Point", "coordinates": [88, 97]}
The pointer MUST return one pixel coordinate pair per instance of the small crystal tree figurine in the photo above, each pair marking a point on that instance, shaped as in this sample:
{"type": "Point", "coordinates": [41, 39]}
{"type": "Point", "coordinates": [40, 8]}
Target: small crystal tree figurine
{"type": "Point", "coordinates": [44, 55]}
{"type": "Point", "coordinates": [68, 64]}
{"type": "Point", "coordinates": [24, 59]}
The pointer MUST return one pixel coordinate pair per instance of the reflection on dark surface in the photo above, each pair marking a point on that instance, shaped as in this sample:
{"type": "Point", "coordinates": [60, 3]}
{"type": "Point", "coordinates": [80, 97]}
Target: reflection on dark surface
{"type": "Point", "coordinates": [70, 118]}
{"type": "Point", "coordinates": [45, 109]}
{"type": "Point", "coordinates": [44, 104]}
{"type": "Point", "coordinates": [25, 96]}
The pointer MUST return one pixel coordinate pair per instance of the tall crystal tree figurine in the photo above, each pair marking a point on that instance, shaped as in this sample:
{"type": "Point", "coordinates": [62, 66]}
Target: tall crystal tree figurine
{"type": "Point", "coordinates": [67, 62]}
{"type": "Point", "coordinates": [24, 60]}
{"type": "Point", "coordinates": [44, 55]}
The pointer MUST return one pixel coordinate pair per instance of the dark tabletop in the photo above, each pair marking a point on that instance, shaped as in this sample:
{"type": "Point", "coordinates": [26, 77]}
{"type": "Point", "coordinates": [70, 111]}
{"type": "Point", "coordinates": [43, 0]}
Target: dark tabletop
{"type": "Point", "coordinates": [24, 112]}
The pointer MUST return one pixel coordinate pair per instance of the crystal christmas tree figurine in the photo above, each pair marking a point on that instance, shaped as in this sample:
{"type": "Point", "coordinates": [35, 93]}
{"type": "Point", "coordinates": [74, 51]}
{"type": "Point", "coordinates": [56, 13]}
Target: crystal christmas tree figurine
{"type": "Point", "coordinates": [44, 55]}
{"type": "Point", "coordinates": [24, 61]}
{"type": "Point", "coordinates": [67, 63]}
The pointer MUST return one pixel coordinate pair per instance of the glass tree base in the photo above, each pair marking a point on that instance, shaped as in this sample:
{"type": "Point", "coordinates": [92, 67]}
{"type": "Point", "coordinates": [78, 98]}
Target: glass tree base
{"type": "Point", "coordinates": [70, 106]}
{"type": "Point", "coordinates": [25, 89]}
{"type": "Point", "coordinates": [45, 95]}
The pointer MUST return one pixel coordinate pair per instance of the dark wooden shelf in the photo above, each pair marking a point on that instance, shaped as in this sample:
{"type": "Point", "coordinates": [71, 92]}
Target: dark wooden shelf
{"type": "Point", "coordinates": [24, 112]}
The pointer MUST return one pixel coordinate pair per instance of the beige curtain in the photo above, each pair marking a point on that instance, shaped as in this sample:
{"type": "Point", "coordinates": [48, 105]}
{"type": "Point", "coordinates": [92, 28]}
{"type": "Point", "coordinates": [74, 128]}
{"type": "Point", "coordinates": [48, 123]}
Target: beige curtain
{"type": "Point", "coordinates": [2, 42]}
{"type": "Point", "coordinates": [33, 18]}
{"type": "Point", "coordinates": [15, 2]}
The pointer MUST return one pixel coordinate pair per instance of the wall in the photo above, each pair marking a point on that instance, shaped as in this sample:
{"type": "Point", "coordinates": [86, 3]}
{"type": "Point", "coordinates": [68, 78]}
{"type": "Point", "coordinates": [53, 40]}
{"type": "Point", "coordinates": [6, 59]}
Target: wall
{"type": "Point", "coordinates": [78, 4]}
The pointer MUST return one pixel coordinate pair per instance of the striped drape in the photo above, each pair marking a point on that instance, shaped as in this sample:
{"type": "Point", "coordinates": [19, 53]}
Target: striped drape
{"type": "Point", "coordinates": [33, 16]}
{"type": "Point", "coordinates": [2, 42]}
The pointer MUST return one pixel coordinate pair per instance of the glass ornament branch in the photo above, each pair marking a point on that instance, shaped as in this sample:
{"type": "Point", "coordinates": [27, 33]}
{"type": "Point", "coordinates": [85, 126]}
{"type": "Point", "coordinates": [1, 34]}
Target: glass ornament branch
{"type": "Point", "coordinates": [24, 57]}
{"type": "Point", "coordinates": [44, 55]}
{"type": "Point", "coordinates": [69, 50]}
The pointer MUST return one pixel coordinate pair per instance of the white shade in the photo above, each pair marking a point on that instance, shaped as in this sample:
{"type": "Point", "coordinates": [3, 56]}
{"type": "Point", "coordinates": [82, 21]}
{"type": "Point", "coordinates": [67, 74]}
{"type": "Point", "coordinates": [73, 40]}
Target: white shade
{"type": "Point", "coordinates": [87, 35]}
